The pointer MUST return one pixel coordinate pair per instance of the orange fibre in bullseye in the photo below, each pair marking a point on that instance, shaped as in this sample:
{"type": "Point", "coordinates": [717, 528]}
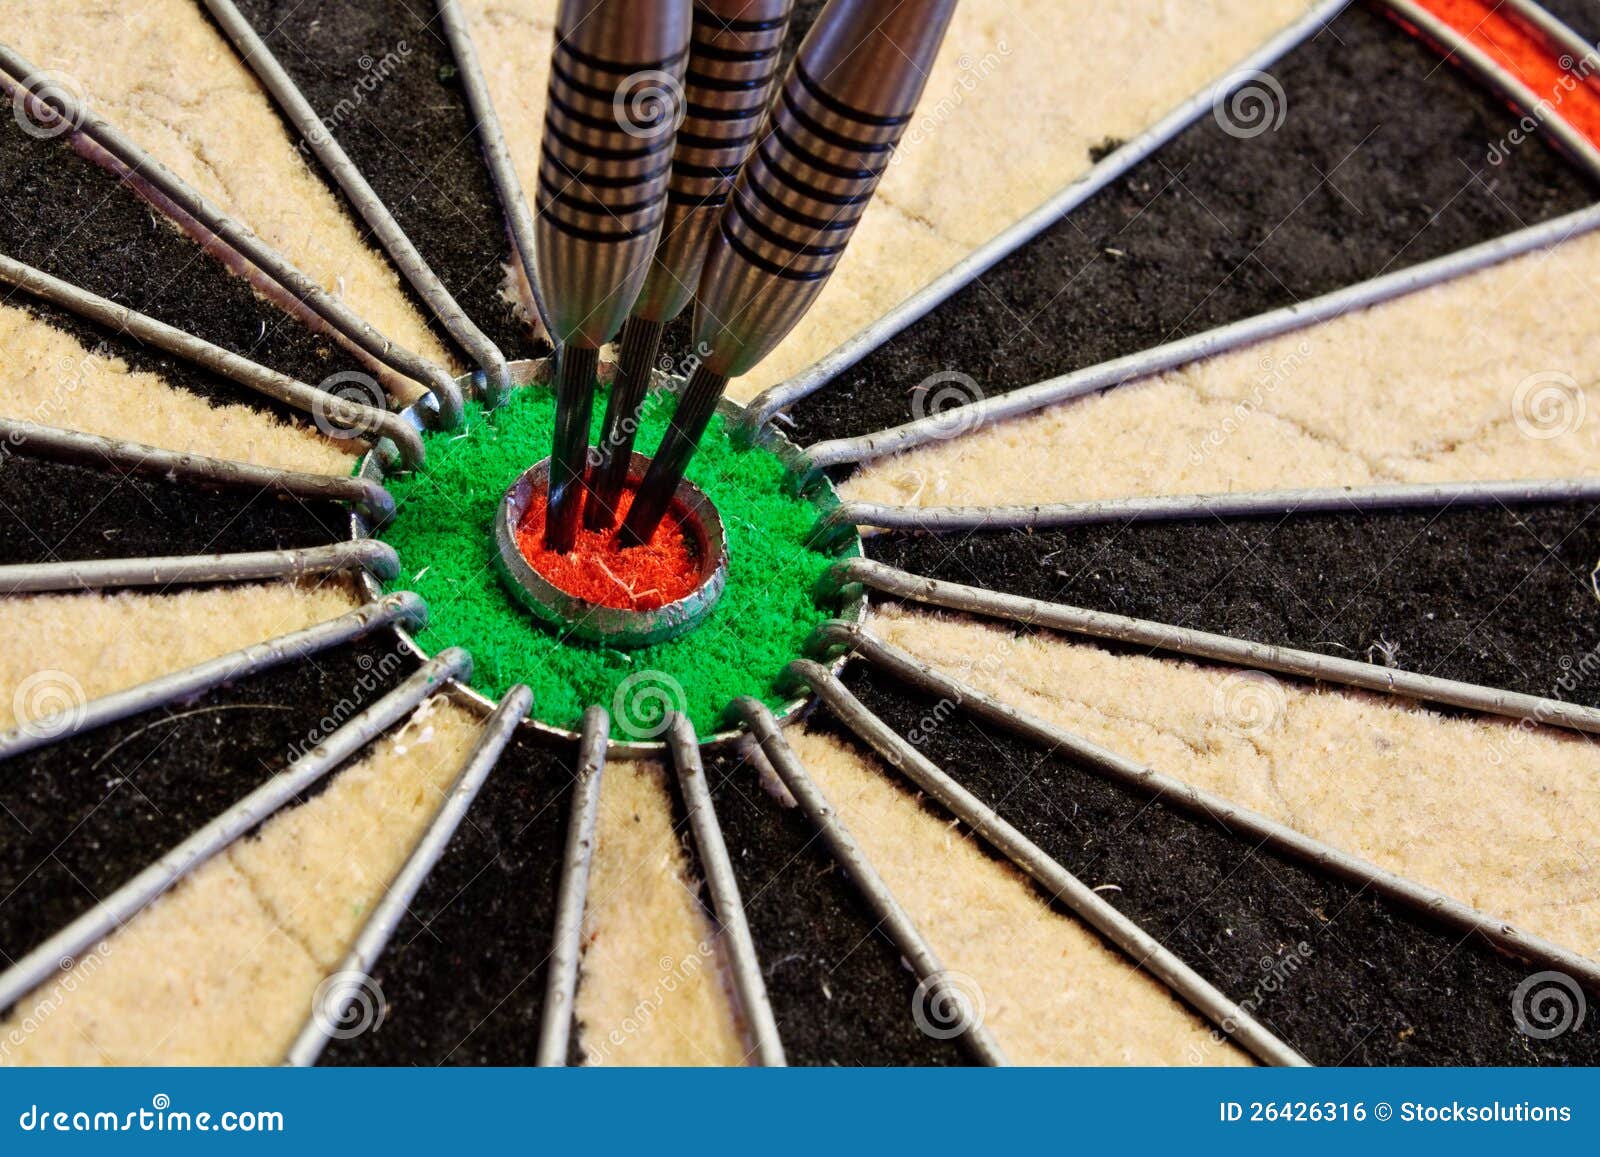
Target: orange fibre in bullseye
{"type": "Point", "coordinates": [642, 578]}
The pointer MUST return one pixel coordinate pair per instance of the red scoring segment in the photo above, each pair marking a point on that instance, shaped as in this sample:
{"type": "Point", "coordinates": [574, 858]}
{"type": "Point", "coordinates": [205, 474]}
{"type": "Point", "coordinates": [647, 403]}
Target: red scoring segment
{"type": "Point", "coordinates": [642, 578]}
{"type": "Point", "coordinates": [1570, 93]}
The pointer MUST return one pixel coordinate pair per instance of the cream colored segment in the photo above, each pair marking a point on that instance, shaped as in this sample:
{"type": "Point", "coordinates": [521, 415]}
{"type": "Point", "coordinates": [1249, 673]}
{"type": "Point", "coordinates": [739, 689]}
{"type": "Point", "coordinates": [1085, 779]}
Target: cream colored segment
{"type": "Point", "coordinates": [975, 159]}
{"type": "Point", "coordinates": [83, 646]}
{"type": "Point", "coordinates": [1502, 816]}
{"type": "Point", "coordinates": [1492, 376]}
{"type": "Point", "coordinates": [1049, 989]}
{"type": "Point", "coordinates": [326, 863]}
{"type": "Point", "coordinates": [223, 969]}
{"type": "Point", "coordinates": [651, 990]}
{"type": "Point", "coordinates": [203, 977]}
{"type": "Point", "coordinates": [52, 379]}
{"type": "Point", "coordinates": [162, 73]}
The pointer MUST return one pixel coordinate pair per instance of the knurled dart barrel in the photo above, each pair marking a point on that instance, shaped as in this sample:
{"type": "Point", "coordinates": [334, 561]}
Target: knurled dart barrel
{"type": "Point", "coordinates": [614, 102]}
{"type": "Point", "coordinates": [733, 63]}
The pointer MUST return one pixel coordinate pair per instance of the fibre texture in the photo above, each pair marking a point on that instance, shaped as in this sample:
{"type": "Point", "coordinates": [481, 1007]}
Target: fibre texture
{"type": "Point", "coordinates": [223, 969]}
{"type": "Point", "coordinates": [163, 73]}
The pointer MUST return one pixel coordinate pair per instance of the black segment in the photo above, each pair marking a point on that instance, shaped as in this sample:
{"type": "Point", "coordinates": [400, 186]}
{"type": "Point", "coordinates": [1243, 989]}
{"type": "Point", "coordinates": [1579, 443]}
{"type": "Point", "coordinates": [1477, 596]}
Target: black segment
{"type": "Point", "coordinates": [1493, 596]}
{"type": "Point", "coordinates": [85, 815]}
{"type": "Point", "coordinates": [463, 977]}
{"type": "Point", "coordinates": [1381, 162]}
{"type": "Point", "coordinates": [839, 989]}
{"type": "Point", "coordinates": [382, 77]}
{"type": "Point", "coordinates": [69, 217]}
{"type": "Point", "coordinates": [1582, 16]}
{"type": "Point", "coordinates": [51, 511]}
{"type": "Point", "coordinates": [1341, 975]}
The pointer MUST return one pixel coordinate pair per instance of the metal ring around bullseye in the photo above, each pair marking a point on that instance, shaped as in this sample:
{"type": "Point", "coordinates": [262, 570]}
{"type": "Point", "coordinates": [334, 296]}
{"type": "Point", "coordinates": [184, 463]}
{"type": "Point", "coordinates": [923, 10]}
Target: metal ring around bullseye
{"type": "Point", "coordinates": [535, 374]}
{"type": "Point", "coordinates": [573, 616]}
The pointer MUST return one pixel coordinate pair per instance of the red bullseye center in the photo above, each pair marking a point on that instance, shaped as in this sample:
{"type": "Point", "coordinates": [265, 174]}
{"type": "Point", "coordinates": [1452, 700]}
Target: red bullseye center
{"type": "Point", "coordinates": [642, 578]}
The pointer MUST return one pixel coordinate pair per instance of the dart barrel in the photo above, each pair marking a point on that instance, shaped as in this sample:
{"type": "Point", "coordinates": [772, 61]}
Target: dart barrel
{"type": "Point", "coordinates": [733, 63]}
{"type": "Point", "coordinates": [843, 107]}
{"type": "Point", "coordinates": [615, 100]}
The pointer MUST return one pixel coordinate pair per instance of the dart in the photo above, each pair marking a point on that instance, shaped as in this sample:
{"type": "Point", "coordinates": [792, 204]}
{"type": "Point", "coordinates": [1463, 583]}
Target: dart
{"type": "Point", "coordinates": [733, 59]}
{"type": "Point", "coordinates": [844, 105]}
{"type": "Point", "coordinates": [615, 76]}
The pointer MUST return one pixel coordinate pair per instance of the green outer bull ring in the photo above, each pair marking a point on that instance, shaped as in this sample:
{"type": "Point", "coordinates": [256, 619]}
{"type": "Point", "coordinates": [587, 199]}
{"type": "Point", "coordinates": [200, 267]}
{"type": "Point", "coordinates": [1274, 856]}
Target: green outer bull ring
{"type": "Point", "coordinates": [535, 374]}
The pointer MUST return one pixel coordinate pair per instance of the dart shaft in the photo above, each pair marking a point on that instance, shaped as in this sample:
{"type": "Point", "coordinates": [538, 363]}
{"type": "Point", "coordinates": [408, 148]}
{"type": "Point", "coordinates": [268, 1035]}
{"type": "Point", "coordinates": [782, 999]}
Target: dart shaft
{"type": "Point", "coordinates": [641, 338]}
{"type": "Point", "coordinates": [574, 407]}
{"type": "Point", "coordinates": [695, 407]}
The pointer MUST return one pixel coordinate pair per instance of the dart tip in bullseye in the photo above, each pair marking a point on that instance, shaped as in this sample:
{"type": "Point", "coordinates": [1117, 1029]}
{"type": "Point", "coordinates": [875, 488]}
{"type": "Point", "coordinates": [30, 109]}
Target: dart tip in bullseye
{"type": "Point", "coordinates": [596, 591]}
{"type": "Point", "coordinates": [570, 444]}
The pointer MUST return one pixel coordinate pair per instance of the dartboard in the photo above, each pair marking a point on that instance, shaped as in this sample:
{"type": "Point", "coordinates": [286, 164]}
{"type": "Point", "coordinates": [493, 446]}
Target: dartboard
{"type": "Point", "coordinates": [1161, 621]}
